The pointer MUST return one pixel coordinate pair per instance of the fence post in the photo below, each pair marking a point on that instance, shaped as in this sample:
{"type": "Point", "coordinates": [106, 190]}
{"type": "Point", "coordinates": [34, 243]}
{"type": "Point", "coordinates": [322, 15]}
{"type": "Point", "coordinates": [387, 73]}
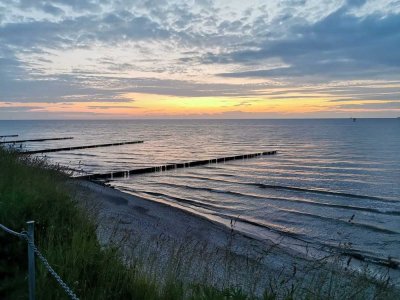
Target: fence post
{"type": "Point", "coordinates": [31, 259]}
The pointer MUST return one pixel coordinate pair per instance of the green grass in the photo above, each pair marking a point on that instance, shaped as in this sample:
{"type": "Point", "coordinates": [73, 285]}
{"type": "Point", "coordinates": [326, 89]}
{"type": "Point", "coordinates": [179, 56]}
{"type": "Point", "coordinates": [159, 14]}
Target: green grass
{"type": "Point", "coordinates": [30, 189]}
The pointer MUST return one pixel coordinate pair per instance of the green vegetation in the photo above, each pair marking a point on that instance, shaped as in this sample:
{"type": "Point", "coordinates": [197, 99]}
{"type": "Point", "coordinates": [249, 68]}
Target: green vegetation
{"type": "Point", "coordinates": [30, 189]}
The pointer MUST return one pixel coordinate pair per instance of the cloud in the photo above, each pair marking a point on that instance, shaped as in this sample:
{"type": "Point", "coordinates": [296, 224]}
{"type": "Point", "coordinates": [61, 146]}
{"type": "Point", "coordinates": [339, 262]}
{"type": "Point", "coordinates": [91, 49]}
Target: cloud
{"type": "Point", "coordinates": [80, 31]}
{"type": "Point", "coordinates": [75, 5]}
{"type": "Point", "coordinates": [111, 106]}
{"type": "Point", "coordinates": [341, 46]}
{"type": "Point", "coordinates": [82, 87]}
{"type": "Point", "coordinates": [363, 106]}
{"type": "Point", "coordinates": [11, 108]}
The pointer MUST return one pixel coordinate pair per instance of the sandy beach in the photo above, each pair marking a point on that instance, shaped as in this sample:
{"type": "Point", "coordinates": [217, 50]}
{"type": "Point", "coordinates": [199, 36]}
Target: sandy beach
{"type": "Point", "coordinates": [193, 248]}
{"type": "Point", "coordinates": [162, 232]}
{"type": "Point", "coordinates": [197, 249]}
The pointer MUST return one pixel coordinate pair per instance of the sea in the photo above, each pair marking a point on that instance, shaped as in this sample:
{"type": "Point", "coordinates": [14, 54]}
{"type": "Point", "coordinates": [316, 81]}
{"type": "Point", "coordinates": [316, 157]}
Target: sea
{"type": "Point", "coordinates": [334, 184]}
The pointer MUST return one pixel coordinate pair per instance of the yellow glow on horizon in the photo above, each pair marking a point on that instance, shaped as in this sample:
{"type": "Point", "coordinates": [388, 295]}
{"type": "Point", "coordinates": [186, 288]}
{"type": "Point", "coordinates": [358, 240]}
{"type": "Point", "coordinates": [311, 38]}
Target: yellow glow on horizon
{"type": "Point", "coordinates": [194, 105]}
{"type": "Point", "coordinates": [148, 105]}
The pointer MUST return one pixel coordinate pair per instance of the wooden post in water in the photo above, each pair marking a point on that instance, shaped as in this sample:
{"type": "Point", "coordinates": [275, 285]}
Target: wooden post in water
{"type": "Point", "coordinates": [80, 147]}
{"type": "Point", "coordinates": [112, 175]}
{"type": "Point", "coordinates": [35, 140]}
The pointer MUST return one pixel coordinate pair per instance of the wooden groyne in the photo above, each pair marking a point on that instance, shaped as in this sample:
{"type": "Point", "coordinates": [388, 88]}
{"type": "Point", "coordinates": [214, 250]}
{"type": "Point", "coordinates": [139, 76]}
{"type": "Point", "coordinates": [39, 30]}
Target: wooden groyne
{"type": "Point", "coordinates": [10, 135]}
{"type": "Point", "coordinates": [80, 147]}
{"type": "Point", "coordinates": [117, 174]}
{"type": "Point", "coordinates": [36, 140]}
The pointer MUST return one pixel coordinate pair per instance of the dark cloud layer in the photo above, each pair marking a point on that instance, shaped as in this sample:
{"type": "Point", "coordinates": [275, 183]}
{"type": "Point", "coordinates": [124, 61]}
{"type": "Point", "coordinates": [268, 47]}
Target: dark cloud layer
{"type": "Point", "coordinates": [340, 46]}
{"type": "Point", "coordinates": [80, 31]}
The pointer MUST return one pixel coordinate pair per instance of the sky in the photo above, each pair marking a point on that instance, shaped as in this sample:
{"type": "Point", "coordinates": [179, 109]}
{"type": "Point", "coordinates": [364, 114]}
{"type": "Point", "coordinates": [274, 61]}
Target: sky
{"type": "Point", "coordinates": [77, 59]}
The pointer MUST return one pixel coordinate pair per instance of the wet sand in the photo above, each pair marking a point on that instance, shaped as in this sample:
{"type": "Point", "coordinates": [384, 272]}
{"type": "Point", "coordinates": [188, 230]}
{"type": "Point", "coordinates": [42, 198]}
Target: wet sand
{"type": "Point", "coordinates": [165, 241]}
{"type": "Point", "coordinates": [211, 249]}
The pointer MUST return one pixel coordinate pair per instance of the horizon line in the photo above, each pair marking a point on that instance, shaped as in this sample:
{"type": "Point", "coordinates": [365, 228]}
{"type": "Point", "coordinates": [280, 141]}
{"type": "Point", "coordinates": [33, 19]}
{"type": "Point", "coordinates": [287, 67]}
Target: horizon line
{"type": "Point", "coordinates": [190, 119]}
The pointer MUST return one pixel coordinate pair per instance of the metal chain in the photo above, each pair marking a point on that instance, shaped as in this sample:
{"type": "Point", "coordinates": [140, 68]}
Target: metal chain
{"type": "Point", "coordinates": [8, 230]}
{"type": "Point", "coordinates": [24, 235]}
{"type": "Point", "coordinates": [70, 293]}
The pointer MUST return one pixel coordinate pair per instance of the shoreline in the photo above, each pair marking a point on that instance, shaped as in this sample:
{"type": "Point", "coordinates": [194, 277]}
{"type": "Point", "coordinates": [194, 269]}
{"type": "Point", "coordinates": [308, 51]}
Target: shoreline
{"type": "Point", "coordinates": [123, 219]}
{"type": "Point", "coordinates": [113, 200]}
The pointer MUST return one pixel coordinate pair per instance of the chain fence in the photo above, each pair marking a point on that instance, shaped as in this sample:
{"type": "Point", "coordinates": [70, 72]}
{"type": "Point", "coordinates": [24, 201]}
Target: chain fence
{"type": "Point", "coordinates": [28, 237]}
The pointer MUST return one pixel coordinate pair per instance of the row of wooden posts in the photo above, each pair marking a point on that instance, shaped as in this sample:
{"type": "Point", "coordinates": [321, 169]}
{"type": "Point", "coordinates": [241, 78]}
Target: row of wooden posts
{"type": "Point", "coordinates": [111, 175]}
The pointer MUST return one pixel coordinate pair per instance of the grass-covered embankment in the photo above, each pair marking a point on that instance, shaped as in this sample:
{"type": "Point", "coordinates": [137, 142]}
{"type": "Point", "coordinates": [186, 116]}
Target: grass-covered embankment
{"type": "Point", "coordinates": [30, 189]}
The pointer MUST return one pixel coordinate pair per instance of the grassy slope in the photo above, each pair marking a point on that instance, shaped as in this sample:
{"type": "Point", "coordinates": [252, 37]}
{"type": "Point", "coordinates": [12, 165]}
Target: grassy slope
{"type": "Point", "coordinates": [32, 190]}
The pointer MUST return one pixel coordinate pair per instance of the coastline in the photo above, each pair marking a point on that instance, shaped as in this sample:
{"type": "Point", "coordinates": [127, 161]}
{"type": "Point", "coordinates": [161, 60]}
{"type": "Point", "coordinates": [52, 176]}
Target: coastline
{"type": "Point", "coordinates": [124, 219]}
{"type": "Point", "coordinates": [107, 244]}
{"type": "Point", "coordinates": [208, 250]}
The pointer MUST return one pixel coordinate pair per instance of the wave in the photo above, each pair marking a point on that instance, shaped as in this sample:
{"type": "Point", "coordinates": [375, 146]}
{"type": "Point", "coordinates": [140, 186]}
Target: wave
{"type": "Point", "coordinates": [177, 199]}
{"type": "Point", "coordinates": [278, 229]}
{"type": "Point", "coordinates": [322, 204]}
{"type": "Point", "coordinates": [296, 189]}
{"type": "Point", "coordinates": [346, 222]}
{"type": "Point", "coordinates": [323, 192]}
{"type": "Point", "coordinates": [72, 153]}
{"type": "Point", "coordinates": [290, 211]}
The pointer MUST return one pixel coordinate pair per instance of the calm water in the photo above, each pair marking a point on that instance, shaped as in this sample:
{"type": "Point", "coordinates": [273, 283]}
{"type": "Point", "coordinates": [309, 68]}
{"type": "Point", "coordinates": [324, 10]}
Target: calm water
{"type": "Point", "coordinates": [326, 173]}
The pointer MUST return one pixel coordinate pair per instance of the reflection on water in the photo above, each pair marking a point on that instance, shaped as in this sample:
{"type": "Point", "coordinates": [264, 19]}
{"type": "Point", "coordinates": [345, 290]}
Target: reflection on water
{"type": "Point", "coordinates": [332, 180]}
